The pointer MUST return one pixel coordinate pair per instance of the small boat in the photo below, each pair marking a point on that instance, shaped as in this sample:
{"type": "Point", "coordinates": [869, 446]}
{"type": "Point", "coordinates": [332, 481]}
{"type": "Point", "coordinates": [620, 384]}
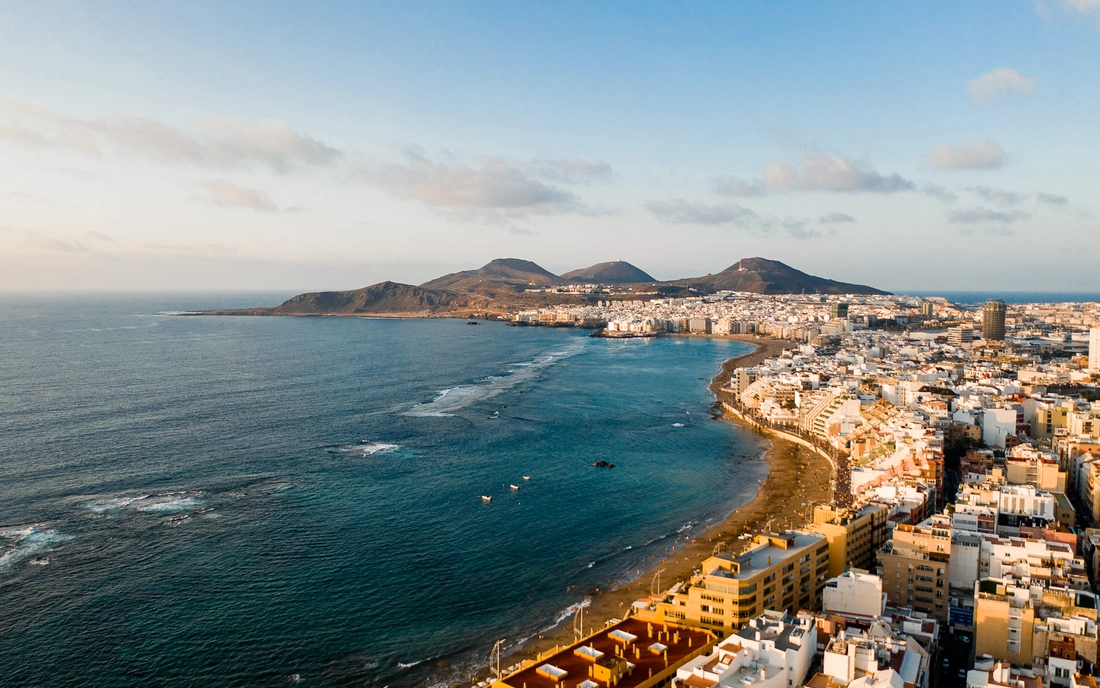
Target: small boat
{"type": "Point", "coordinates": [514, 487]}
{"type": "Point", "coordinates": [526, 477]}
{"type": "Point", "coordinates": [472, 322]}
{"type": "Point", "coordinates": [486, 499]}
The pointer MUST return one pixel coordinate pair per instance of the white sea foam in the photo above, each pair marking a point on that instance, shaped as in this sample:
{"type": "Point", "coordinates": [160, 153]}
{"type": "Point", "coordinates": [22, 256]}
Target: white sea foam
{"type": "Point", "coordinates": [113, 504]}
{"type": "Point", "coordinates": [169, 506]}
{"type": "Point", "coordinates": [677, 425]}
{"type": "Point", "coordinates": [27, 542]}
{"type": "Point", "coordinates": [455, 398]}
{"type": "Point", "coordinates": [570, 611]}
{"type": "Point", "coordinates": [410, 665]}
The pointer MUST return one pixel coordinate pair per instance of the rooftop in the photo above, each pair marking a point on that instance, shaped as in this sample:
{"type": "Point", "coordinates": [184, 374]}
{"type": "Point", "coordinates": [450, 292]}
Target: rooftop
{"type": "Point", "coordinates": [644, 656]}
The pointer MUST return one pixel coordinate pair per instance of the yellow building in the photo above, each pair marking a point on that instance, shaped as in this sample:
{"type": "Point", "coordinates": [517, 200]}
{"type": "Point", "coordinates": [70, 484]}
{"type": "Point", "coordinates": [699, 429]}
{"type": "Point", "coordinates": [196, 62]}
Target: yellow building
{"type": "Point", "coordinates": [915, 566]}
{"type": "Point", "coordinates": [1017, 622]}
{"type": "Point", "coordinates": [780, 571]}
{"type": "Point", "coordinates": [854, 535]}
{"type": "Point", "coordinates": [1044, 473]}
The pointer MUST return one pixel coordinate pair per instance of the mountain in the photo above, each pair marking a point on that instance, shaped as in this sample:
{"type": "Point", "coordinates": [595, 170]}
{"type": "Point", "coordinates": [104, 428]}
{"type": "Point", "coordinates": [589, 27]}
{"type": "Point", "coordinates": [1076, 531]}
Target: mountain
{"type": "Point", "coordinates": [512, 272]}
{"type": "Point", "coordinates": [763, 276]}
{"type": "Point", "coordinates": [384, 297]}
{"type": "Point", "coordinates": [499, 289]}
{"type": "Point", "coordinates": [615, 272]}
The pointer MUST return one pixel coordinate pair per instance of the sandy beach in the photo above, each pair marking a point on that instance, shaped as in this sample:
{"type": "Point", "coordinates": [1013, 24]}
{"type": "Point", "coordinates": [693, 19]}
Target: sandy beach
{"type": "Point", "coordinates": [796, 479]}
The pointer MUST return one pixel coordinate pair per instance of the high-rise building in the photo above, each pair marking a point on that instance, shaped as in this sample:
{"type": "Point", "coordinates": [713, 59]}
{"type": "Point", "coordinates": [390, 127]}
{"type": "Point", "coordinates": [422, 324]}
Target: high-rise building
{"type": "Point", "coordinates": [928, 309]}
{"type": "Point", "coordinates": [993, 320]}
{"type": "Point", "coordinates": [1094, 349]}
{"type": "Point", "coordinates": [914, 566]}
{"type": "Point", "coordinates": [838, 310]}
{"type": "Point", "coordinates": [957, 336]}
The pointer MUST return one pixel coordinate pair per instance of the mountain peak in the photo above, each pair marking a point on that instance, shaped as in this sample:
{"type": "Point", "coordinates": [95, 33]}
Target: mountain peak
{"type": "Point", "coordinates": [614, 272]}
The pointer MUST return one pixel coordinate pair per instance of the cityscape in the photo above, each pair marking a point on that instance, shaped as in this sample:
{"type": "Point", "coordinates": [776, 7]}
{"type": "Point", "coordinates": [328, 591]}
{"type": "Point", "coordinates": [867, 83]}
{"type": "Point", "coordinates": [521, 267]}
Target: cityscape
{"type": "Point", "coordinates": [571, 344]}
{"type": "Point", "coordinates": [958, 545]}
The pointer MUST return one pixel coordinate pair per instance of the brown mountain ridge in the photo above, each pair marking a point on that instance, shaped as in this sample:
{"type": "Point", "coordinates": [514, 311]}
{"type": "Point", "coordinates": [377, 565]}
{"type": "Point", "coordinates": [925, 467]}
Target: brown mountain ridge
{"type": "Point", "coordinates": [500, 288]}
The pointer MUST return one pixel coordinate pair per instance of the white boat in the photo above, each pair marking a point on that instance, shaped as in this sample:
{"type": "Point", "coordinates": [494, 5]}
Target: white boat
{"type": "Point", "coordinates": [514, 487]}
{"type": "Point", "coordinates": [526, 477]}
{"type": "Point", "coordinates": [486, 499]}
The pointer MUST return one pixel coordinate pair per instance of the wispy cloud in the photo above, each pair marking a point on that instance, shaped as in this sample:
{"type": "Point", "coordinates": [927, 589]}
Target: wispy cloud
{"type": "Point", "coordinates": [232, 196]}
{"type": "Point", "coordinates": [939, 193]}
{"type": "Point", "coordinates": [572, 170]}
{"type": "Point", "coordinates": [835, 218]}
{"type": "Point", "coordinates": [488, 189]}
{"type": "Point", "coordinates": [215, 142]}
{"type": "Point", "coordinates": [971, 216]}
{"type": "Point", "coordinates": [998, 196]}
{"type": "Point", "coordinates": [679, 211]}
{"type": "Point", "coordinates": [994, 86]}
{"type": "Point", "coordinates": [815, 172]}
{"type": "Point", "coordinates": [1051, 199]}
{"type": "Point", "coordinates": [979, 154]}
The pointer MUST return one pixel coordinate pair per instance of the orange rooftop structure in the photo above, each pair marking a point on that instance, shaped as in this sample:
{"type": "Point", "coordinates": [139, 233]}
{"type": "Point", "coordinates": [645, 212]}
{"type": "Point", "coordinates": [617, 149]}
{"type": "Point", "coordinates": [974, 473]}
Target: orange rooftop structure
{"type": "Point", "coordinates": [629, 654]}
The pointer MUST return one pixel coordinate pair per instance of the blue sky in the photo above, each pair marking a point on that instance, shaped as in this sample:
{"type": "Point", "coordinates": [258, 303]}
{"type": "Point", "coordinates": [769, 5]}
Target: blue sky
{"type": "Point", "coordinates": [919, 146]}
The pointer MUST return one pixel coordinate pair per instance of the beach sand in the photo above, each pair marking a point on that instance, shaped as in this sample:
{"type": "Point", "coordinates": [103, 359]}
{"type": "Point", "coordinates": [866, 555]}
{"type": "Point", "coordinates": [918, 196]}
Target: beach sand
{"type": "Point", "coordinates": [797, 476]}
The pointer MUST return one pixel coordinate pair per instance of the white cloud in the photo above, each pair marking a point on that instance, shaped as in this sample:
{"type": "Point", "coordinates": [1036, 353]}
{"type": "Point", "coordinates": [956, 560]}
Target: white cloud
{"type": "Point", "coordinates": [572, 170]}
{"type": "Point", "coordinates": [1050, 199]}
{"type": "Point", "coordinates": [977, 155]}
{"type": "Point", "coordinates": [998, 196]}
{"type": "Point", "coordinates": [218, 142]}
{"type": "Point", "coordinates": [679, 211]}
{"type": "Point", "coordinates": [490, 189]}
{"type": "Point", "coordinates": [733, 186]}
{"type": "Point", "coordinates": [819, 172]}
{"type": "Point", "coordinates": [834, 218]}
{"type": "Point", "coordinates": [939, 193]}
{"type": "Point", "coordinates": [233, 196]}
{"type": "Point", "coordinates": [971, 216]}
{"type": "Point", "coordinates": [995, 85]}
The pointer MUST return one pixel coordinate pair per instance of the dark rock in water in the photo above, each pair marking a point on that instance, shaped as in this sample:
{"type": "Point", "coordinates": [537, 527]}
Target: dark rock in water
{"type": "Point", "coordinates": [603, 464]}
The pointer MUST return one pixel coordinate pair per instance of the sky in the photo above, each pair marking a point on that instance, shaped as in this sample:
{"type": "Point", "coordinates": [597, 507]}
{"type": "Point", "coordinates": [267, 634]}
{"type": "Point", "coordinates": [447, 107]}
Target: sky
{"type": "Point", "coordinates": [299, 146]}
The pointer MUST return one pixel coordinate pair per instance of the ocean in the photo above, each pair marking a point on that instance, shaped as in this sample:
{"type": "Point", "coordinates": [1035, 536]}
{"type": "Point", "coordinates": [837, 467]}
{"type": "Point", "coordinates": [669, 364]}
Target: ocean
{"type": "Point", "coordinates": [233, 500]}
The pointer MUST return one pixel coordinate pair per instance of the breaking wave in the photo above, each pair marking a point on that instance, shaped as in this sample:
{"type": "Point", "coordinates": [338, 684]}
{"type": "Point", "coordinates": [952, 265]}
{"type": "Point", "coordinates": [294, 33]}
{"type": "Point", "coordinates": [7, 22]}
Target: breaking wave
{"type": "Point", "coordinates": [461, 396]}
{"type": "Point", "coordinates": [26, 542]}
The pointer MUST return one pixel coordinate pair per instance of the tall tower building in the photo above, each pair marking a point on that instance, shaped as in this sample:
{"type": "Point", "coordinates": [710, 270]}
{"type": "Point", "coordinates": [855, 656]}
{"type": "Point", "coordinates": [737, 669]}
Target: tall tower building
{"type": "Point", "coordinates": [993, 320]}
{"type": "Point", "coordinates": [838, 310]}
{"type": "Point", "coordinates": [1094, 349]}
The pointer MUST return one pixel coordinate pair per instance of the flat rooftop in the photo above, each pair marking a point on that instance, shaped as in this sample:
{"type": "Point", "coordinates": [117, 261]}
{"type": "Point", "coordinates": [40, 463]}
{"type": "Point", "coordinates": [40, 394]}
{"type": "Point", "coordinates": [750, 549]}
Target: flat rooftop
{"type": "Point", "coordinates": [689, 642]}
{"type": "Point", "coordinates": [762, 556]}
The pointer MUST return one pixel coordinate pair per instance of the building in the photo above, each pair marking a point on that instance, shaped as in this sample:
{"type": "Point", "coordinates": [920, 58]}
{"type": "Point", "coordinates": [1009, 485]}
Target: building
{"type": "Point", "coordinates": [1094, 349]}
{"type": "Point", "coordinates": [780, 571]}
{"type": "Point", "coordinates": [629, 654]}
{"type": "Point", "coordinates": [915, 566]}
{"type": "Point", "coordinates": [771, 651]}
{"type": "Point", "coordinates": [876, 657]}
{"type": "Point", "coordinates": [959, 336]}
{"type": "Point", "coordinates": [854, 535]}
{"type": "Point", "coordinates": [993, 320]}
{"type": "Point", "coordinates": [838, 310]}
{"type": "Point", "coordinates": [1016, 621]}
{"type": "Point", "coordinates": [854, 593]}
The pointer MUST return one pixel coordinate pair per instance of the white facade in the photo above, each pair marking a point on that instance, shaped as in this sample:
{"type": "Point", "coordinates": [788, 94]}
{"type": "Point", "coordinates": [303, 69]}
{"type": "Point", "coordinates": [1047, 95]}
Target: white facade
{"type": "Point", "coordinates": [997, 424]}
{"type": "Point", "coordinates": [854, 594]}
{"type": "Point", "coordinates": [1094, 349]}
{"type": "Point", "coordinates": [772, 651]}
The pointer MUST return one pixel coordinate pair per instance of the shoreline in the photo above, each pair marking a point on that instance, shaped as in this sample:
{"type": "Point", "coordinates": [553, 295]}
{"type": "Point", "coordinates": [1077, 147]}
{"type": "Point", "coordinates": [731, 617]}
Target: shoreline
{"type": "Point", "coordinates": [796, 476]}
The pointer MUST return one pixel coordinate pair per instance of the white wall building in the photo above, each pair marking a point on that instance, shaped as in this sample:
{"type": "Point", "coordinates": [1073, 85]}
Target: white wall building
{"type": "Point", "coordinates": [854, 593]}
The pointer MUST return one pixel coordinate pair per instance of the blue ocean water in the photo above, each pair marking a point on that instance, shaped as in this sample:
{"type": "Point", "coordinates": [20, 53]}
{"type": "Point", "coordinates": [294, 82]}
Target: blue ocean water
{"type": "Point", "coordinates": [975, 297]}
{"type": "Point", "coordinates": [230, 501]}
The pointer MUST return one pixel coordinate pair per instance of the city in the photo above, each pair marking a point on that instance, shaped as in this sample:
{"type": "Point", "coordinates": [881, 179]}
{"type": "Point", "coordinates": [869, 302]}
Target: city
{"type": "Point", "coordinates": [958, 548]}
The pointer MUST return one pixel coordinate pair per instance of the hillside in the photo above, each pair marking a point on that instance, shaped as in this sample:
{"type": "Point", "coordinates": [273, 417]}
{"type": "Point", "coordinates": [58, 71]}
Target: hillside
{"type": "Point", "coordinates": [763, 276]}
{"type": "Point", "coordinates": [615, 272]}
{"type": "Point", "coordinates": [513, 272]}
{"type": "Point", "coordinates": [498, 289]}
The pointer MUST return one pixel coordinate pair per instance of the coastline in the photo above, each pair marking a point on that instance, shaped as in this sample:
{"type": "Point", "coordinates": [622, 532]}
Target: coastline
{"type": "Point", "coordinates": [796, 476]}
